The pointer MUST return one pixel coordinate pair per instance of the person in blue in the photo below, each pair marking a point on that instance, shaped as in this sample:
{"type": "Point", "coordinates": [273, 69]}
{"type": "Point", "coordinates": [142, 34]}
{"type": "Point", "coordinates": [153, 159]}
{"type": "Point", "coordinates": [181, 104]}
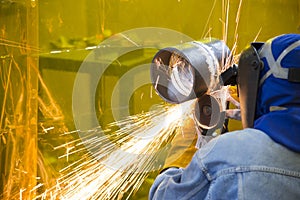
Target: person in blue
{"type": "Point", "coordinates": [262, 161]}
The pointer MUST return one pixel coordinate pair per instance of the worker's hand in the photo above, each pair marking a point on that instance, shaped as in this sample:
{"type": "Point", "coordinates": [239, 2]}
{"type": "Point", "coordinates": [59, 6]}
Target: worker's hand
{"type": "Point", "coordinates": [183, 145]}
{"type": "Point", "coordinates": [233, 113]}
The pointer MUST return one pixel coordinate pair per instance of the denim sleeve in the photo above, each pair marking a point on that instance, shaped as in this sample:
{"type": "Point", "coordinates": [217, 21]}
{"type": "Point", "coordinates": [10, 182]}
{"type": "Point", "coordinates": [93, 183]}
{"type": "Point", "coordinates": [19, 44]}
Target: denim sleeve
{"type": "Point", "coordinates": [178, 183]}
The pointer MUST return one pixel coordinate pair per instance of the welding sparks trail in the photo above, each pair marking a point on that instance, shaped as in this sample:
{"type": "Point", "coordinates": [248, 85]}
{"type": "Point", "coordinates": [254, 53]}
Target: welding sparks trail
{"type": "Point", "coordinates": [120, 161]}
{"type": "Point", "coordinates": [113, 164]}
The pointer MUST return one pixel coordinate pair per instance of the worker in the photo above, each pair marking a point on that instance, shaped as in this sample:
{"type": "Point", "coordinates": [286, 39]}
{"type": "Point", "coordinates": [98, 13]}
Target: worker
{"type": "Point", "coordinates": [262, 161]}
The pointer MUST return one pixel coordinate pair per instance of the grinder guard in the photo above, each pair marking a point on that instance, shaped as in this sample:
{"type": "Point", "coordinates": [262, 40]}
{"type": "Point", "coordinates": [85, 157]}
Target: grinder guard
{"type": "Point", "coordinates": [207, 112]}
{"type": "Point", "coordinates": [248, 81]}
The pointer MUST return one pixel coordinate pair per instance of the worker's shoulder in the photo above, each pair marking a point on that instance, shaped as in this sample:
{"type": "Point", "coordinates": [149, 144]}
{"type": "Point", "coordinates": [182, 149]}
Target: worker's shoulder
{"type": "Point", "coordinates": [236, 143]}
{"type": "Point", "coordinates": [245, 140]}
{"type": "Point", "coordinates": [246, 148]}
{"type": "Point", "coordinates": [245, 136]}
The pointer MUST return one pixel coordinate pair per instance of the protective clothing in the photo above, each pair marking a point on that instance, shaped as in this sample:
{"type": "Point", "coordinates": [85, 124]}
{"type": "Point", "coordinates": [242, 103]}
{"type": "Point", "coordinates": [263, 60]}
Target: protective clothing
{"type": "Point", "coordinates": [248, 81]}
{"type": "Point", "coordinates": [278, 98]}
{"type": "Point", "coordinates": [243, 164]}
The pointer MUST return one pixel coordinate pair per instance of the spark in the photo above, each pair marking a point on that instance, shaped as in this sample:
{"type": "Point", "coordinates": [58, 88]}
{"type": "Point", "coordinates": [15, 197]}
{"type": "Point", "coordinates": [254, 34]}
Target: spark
{"type": "Point", "coordinates": [36, 187]}
{"type": "Point", "coordinates": [21, 193]}
{"type": "Point", "coordinates": [25, 172]}
{"type": "Point", "coordinates": [120, 163]}
{"type": "Point", "coordinates": [156, 82]}
{"type": "Point", "coordinates": [19, 45]}
{"type": "Point", "coordinates": [237, 20]}
{"type": "Point", "coordinates": [129, 39]}
{"type": "Point", "coordinates": [46, 129]}
{"type": "Point", "coordinates": [91, 48]}
{"type": "Point", "coordinates": [56, 51]}
{"type": "Point", "coordinates": [151, 92]}
{"type": "Point", "coordinates": [68, 149]}
{"type": "Point", "coordinates": [258, 33]}
{"type": "Point", "coordinates": [208, 19]}
{"type": "Point", "coordinates": [226, 9]}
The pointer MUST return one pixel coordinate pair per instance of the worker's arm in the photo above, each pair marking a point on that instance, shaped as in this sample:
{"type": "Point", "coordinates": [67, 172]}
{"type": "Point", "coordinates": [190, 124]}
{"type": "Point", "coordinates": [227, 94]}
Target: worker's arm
{"type": "Point", "coordinates": [182, 146]}
{"type": "Point", "coordinates": [181, 171]}
{"type": "Point", "coordinates": [185, 143]}
{"type": "Point", "coordinates": [181, 183]}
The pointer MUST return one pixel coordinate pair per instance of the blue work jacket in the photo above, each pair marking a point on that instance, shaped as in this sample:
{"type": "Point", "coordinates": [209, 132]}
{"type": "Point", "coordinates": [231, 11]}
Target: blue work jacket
{"type": "Point", "coordinates": [244, 164]}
